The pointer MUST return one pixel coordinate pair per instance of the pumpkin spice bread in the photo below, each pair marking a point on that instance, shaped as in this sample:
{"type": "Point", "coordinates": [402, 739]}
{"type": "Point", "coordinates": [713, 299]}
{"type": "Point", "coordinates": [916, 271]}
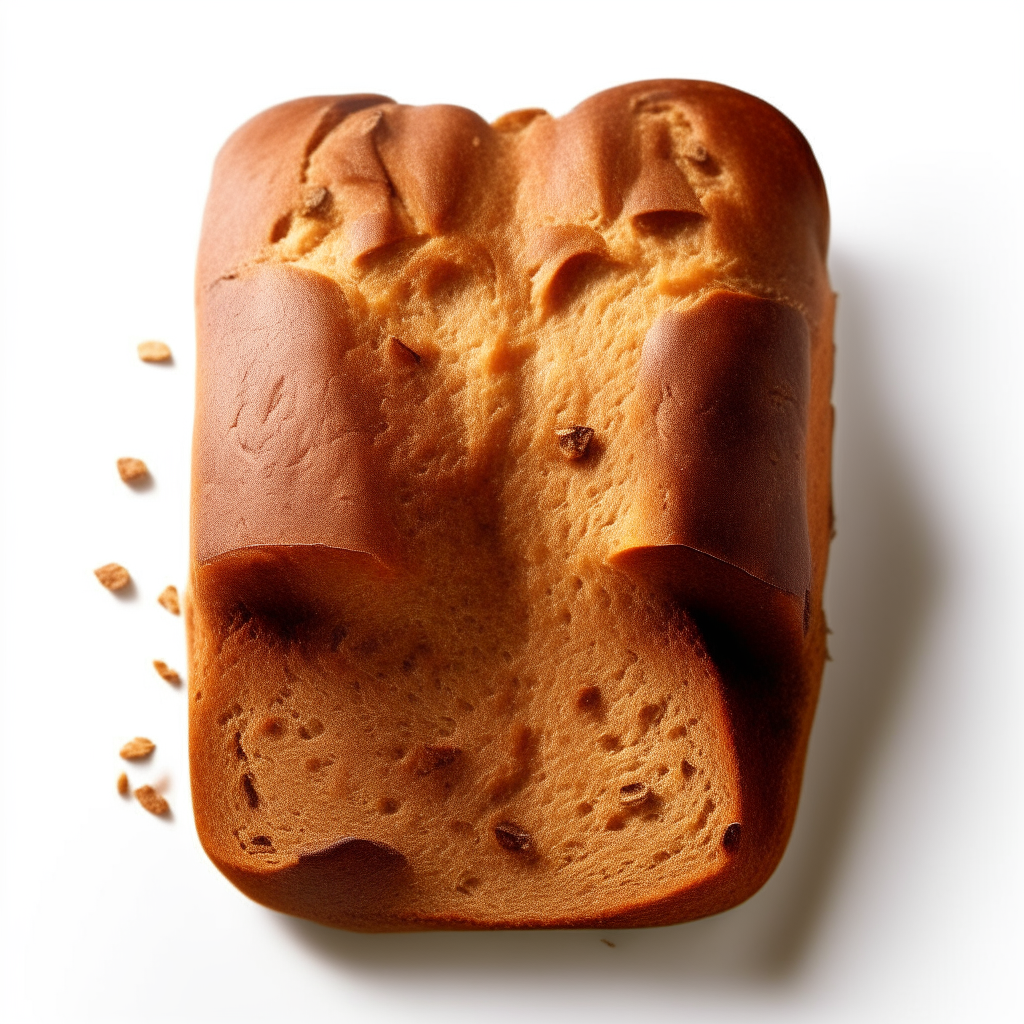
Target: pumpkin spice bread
{"type": "Point", "coordinates": [511, 507]}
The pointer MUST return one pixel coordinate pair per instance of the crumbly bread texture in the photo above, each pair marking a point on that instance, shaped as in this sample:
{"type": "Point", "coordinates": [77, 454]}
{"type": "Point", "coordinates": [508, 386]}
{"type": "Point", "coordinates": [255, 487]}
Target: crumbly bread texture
{"type": "Point", "coordinates": [511, 507]}
{"type": "Point", "coordinates": [167, 673]}
{"type": "Point", "coordinates": [168, 597]}
{"type": "Point", "coordinates": [113, 576]}
{"type": "Point", "coordinates": [132, 469]}
{"type": "Point", "coordinates": [154, 352]}
{"type": "Point", "coordinates": [137, 748]}
{"type": "Point", "coordinates": [152, 800]}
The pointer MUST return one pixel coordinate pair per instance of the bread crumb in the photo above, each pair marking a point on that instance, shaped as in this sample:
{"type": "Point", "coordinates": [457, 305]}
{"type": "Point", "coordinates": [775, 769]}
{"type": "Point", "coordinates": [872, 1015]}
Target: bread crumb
{"type": "Point", "coordinates": [152, 800]}
{"type": "Point", "coordinates": [573, 441]}
{"type": "Point", "coordinates": [169, 599]}
{"type": "Point", "coordinates": [122, 784]}
{"type": "Point", "coordinates": [113, 576]}
{"type": "Point", "coordinates": [154, 352]}
{"type": "Point", "coordinates": [132, 469]}
{"type": "Point", "coordinates": [136, 748]}
{"type": "Point", "coordinates": [167, 673]}
{"type": "Point", "coordinates": [607, 943]}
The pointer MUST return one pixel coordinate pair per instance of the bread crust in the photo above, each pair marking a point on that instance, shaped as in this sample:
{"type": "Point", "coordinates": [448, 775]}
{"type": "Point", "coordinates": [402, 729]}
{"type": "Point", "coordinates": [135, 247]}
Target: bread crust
{"type": "Point", "coordinates": [325, 215]}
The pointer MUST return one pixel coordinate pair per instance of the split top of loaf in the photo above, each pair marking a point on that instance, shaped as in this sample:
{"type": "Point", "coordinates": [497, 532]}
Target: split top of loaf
{"type": "Point", "coordinates": [510, 507]}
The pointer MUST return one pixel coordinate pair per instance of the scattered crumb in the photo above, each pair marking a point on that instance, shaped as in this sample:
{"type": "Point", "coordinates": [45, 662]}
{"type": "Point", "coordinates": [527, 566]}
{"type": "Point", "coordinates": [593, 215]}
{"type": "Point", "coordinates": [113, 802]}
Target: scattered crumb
{"type": "Point", "coordinates": [136, 748]}
{"type": "Point", "coordinates": [113, 576]}
{"type": "Point", "coordinates": [154, 352]}
{"type": "Point", "coordinates": [152, 800]}
{"type": "Point", "coordinates": [169, 599]}
{"type": "Point", "coordinates": [573, 441]}
{"type": "Point", "coordinates": [132, 469]}
{"type": "Point", "coordinates": [607, 943]}
{"type": "Point", "coordinates": [122, 784]}
{"type": "Point", "coordinates": [167, 673]}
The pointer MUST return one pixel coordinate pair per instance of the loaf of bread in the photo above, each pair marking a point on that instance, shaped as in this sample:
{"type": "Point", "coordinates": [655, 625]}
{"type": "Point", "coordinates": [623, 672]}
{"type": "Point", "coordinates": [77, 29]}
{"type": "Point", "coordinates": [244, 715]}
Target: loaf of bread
{"type": "Point", "coordinates": [510, 509]}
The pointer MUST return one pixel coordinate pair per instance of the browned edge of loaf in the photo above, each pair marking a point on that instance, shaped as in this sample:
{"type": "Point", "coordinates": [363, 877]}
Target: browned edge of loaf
{"type": "Point", "coordinates": [258, 179]}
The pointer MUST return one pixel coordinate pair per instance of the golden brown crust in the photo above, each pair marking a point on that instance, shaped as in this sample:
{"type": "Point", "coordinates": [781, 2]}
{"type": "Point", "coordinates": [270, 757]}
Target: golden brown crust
{"type": "Point", "coordinates": [283, 337]}
{"type": "Point", "coordinates": [259, 178]}
{"type": "Point", "coordinates": [361, 469]}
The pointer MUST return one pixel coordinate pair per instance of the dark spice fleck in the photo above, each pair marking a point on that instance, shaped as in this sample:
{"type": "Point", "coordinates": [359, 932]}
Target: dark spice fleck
{"type": "Point", "coordinates": [573, 441]}
{"type": "Point", "coordinates": [731, 837]}
{"type": "Point", "coordinates": [430, 758]}
{"type": "Point", "coordinates": [512, 837]}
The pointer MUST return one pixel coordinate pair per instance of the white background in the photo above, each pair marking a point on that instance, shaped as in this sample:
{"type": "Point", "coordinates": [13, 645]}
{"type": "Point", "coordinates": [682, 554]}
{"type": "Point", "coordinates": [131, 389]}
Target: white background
{"type": "Point", "coordinates": [900, 895]}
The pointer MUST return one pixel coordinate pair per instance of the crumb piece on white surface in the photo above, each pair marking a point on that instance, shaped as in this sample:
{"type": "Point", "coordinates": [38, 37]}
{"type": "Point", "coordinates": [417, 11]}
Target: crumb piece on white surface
{"type": "Point", "coordinates": [169, 599]}
{"type": "Point", "coordinates": [113, 576]}
{"type": "Point", "coordinates": [136, 748]}
{"type": "Point", "coordinates": [167, 673]}
{"type": "Point", "coordinates": [132, 469]}
{"type": "Point", "coordinates": [152, 800]}
{"type": "Point", "coordinates": [154, 352]}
